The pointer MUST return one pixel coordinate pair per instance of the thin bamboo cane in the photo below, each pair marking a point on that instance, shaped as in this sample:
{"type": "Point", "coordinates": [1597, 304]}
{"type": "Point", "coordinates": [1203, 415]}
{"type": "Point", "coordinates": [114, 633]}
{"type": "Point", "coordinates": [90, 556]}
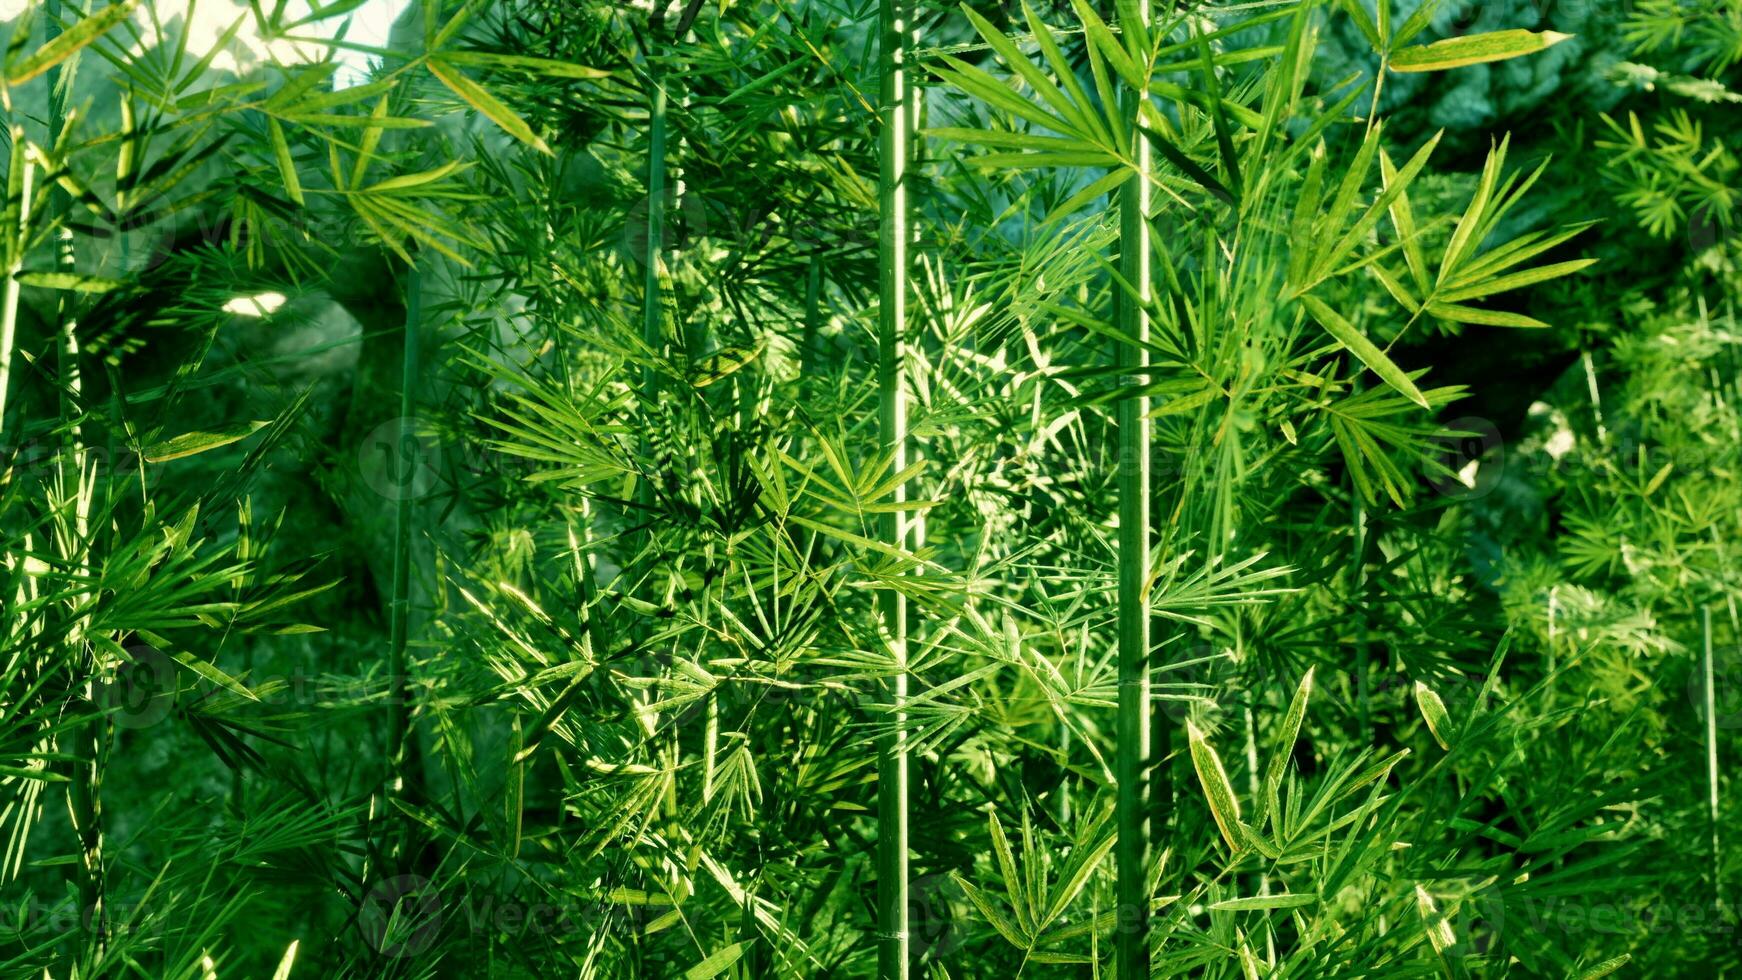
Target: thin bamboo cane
{"type": "Point", "coordinates": [1711, 747]}
{"type": "Point", "coordinates": [1133, 747]}
{"type": "Point", "coordinates": [84, 798]}
{"type": "Point", "coordinates": [22, 176]}
{"type": "Point", "coordinates": [810, 355]}
{"type": "Point", "coordinates": [652, 311]}
{"type": "Point", "coordinates": [895, 152]}
{"type": "Point", "coordinates": [399, 606]}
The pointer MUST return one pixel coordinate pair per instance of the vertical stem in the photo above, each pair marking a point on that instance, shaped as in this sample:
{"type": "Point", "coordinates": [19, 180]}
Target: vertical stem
{"type": "Point", "coordinates": [1596, 398]}
{"type": "Point", "coordinates": [1363, 693]}
{"type": "Point", "coordinates": [84, 798]}
{"type": "Point", "coordinates": [399, 607]}
{"type": "Point", "coordinates": [894, 235]}
{"type": "Point", "coordinates": [810, 356]}
{"type": "Point", "coordinates": [1711, 744]}
{"type": "Point", "coordinates": [1553, 618]}
{"type": "Point", "coordinates": [652, 312]}
{"type": "Point", "coordinates": [710, 746]}
{"type": "Point", "coordinates": [1133, 747]}
{"type": "Point", "coordinates": [20, 177]}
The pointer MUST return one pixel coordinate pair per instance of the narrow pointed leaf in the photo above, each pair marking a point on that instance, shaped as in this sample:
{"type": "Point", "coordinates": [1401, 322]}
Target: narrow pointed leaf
{"type": "Point", "coordinates": [1473, 49]}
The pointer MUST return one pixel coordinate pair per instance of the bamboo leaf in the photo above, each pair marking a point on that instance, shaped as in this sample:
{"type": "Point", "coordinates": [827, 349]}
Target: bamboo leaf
{"type": "Point", "coordinates": [1439, 931]}
{"type": "Point", "coordinates": [1486, 318]}
{"type": "Point", "coordinates": [286, 166]}
{"type": "Point", "coordinates": [1473, 49]}
{"type": "Point", "coordinates": [70, 42]}
{"type": "Point", "coordinates": [1286, 735]}
{"type": "Point", "coordinates": [996, 93]}
{"type": "Point", "coordinates": [194, 443]}
{"type": "Point", "coordinates": [514, 790]}
{"type": "Point", "coordinates": [211, 673]}
{"type": "Point", "coordinates": [1363, 349]}
{"type": "Point", "coordinates": [287, 961]}
{"type": "Point", "coordinates": [991, 913]}
{"type": "Point", "coordinates": [1517, 280]}
{"type": "Point", "coordinates": [69, 281]}
{"type": "Point", "coordinates": [1016, 61]}
{"type": "Point", "coordinates": [1370, 218]}
{"type": "Point", "coordinates": [547, 67]}
{"type": "Point", "coordinates": [1107, 44]}
{"type": "Point", "coordinates": [1433, 711]}
{"type": "Point", "coordinates": [1083, 866]}
{"type": "Point", "coordinates": [1263, 902]}
{"type": "Point", "coordinates": [718, 962]}
{"type": "Point", "coordinates": [492, 108]}
{"type": "Point", "coordinates": [1218, 791]}
{"type": "Point", "coordinates": [1012, 880]}
{"type": "Point", "coordinates": [1606, 967]}
{"type": "Point", "coordinates": [1403, 220]}
{"type": "Point", "coordinates": [1061, 67]}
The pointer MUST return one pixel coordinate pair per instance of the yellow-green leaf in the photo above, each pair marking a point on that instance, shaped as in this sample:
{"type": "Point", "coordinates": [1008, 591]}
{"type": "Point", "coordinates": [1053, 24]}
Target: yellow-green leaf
{"type": "Point", "coordinates": [1517, 280]}
{"type": "Point", "coordinates": [194, 443]}
{"type": "Point", "coordinates": [70, 42]}
{"type": "Point", "coordinates": [517, 62]}
{"type": "Point", "coordinates": [1439, 931]}
{"type": "Point", "coordinates": [1473, 49]}
{"type": "Point", "coordinates": [409, 181]}
{"type": "Point", "coordinates": [1288, 733]}
{"type": "Point", "coordinates": [1433, 711]}
{"type": "Point", "coordinates": [1363, 349]}
{"type": "Point", "coordinates": [1285, 901]}
{"type": "Point", "coordinates": [1217, 789]}
{"type": "Point", "coordinates": [286, 166]}
{"type": "Point", "coordinates": [479, 98]}
{"type": "Point", "coordinates": [211, 673]}
{"type": "Point", "coordinates": [1606, 967]}
{"type": "Point", "coordinates": [717, 961]}
{"type": "Point", "coordinates": [68, 281]}
{"type": "Point", "coordinates": [992, 913]}
{"type": "Point", "coordinates": [289, 960]}
{"type": "Point", "coordinates": [1486, 318]}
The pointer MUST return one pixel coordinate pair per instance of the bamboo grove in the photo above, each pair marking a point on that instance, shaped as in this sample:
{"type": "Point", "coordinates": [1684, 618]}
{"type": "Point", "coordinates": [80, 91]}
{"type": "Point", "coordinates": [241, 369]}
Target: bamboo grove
{"type": "Point", "coordinates": [868, 488]}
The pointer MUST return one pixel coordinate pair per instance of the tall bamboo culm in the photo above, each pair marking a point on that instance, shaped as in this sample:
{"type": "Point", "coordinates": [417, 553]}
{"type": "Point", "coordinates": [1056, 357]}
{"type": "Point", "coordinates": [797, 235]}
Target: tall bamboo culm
{"type": "Point", "coordinates": [1711, 713]}
{"type": "Point", "coordinates": [18, 178]}
{"type": "Point", "coordinates": [1133, 737]}
{"type": "Point", "coordinates": [89, 740]}
{"type": "Point", "coordinates": [652, 309]}
{"type": "Point", "coordinates": [399, 606]}
{"type": "Point", "coordinates": [895, 153]}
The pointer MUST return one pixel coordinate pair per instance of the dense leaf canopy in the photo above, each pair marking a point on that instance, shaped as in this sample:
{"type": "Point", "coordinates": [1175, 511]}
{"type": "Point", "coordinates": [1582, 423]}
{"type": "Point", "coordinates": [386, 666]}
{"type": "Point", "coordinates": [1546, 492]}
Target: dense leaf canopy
{"type": "Point", "coordinates": [850, 488]}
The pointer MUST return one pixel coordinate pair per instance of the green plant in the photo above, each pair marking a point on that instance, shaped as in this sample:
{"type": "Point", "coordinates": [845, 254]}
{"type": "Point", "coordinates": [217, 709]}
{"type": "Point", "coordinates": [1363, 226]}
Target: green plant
{"type": "Point", "coordinates": [829, 488]}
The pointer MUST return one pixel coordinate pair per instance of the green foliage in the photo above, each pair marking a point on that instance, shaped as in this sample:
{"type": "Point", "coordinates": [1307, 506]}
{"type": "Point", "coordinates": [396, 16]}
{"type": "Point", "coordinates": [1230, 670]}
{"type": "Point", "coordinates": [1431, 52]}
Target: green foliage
{"type": "Point", "coordinates": [504, 586]}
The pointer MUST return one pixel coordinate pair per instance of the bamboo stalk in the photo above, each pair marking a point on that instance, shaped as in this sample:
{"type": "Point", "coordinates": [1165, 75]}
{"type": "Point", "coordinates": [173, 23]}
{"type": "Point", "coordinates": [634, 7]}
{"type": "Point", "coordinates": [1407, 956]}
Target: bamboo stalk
{"type": "Point", "coordinates": [810, 356]}
{"type": "Point", "coordinates": [1133, 760]}
{"type": "Point", "coordinates": [84, 796]}
{"type": "Point", "coordinates": [1363, 693]}
{"type": "Point", "coordinates": [652, 312]}
{"type": "Point", "coordinates": [1711, 747]}
{"type": "Point", "coordinates": [399, 605]}
{"type": "Point", "coordinates": [894, 236]}
{"type": "Point", "coordinates": [22, 175]}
